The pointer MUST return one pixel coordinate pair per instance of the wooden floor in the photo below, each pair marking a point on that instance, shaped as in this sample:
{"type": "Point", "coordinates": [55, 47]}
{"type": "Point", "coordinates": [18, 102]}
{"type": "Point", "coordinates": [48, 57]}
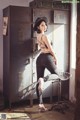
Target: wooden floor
{"type": "Point", "coordinates": [33, 113]}
{"type": "Point", "coordinates": [61, 111]}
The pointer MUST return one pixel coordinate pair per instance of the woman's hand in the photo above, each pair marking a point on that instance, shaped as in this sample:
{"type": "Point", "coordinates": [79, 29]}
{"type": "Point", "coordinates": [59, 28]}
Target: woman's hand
{"type": "Point", "coordinates": [55, 61]}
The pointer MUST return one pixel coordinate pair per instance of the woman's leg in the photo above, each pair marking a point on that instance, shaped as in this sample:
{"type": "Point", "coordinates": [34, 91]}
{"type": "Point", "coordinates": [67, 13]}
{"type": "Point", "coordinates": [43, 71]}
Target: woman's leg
{"type": "Point", "coordinates": [40, 89]}
{"type": "Point", "coordinates": [40, 74]}
{"type": "Point", "coordinates": [50, 64]}
{"type": "Point", "coordinates": [39, 94]}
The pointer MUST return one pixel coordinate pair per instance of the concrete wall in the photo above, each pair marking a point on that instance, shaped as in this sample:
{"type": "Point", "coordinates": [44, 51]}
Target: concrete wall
{"type": "Point", "coordinates": [3, 4]}
{"type": "Point", "coordinates": [77, 110]}
{"type": "Point", "coordinates": [73, 51]}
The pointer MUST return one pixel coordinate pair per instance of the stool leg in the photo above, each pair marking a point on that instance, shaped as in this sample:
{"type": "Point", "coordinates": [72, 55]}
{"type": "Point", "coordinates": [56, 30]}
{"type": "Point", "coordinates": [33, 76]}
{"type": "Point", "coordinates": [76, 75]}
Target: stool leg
{"type": "Point", "coordinates": [31, 100]}
{"type": "Point", "coordinates": [51, 96]}
{"type": "Point", "coordinates": [59, 90]}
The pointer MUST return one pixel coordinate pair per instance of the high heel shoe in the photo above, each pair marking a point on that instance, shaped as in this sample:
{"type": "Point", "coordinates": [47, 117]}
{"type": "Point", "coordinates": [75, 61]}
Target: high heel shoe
{"type": "Point", "coordinates": [42, 108]}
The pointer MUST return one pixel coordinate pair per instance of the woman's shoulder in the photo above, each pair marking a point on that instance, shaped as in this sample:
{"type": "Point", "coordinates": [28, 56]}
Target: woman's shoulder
{"type": "Point", "coordinates": [44, 36]}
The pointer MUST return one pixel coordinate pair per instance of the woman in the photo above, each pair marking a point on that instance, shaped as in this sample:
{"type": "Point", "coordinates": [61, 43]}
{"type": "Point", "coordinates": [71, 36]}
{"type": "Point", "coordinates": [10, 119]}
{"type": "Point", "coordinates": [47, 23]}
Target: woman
{"type": "Point", "coordinates": [46, 58]}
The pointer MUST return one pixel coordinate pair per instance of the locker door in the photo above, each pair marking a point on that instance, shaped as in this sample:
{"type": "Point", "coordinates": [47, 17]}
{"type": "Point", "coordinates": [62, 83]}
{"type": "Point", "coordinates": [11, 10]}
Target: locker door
{"type": "Point", "coordinates": [21, 50]}
{"type": "Point", "coordinates": [17, 53]}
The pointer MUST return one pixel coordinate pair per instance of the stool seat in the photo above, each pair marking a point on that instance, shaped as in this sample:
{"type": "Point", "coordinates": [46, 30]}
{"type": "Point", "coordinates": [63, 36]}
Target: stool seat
{"type": "Point", "coordinates": [51, 77]}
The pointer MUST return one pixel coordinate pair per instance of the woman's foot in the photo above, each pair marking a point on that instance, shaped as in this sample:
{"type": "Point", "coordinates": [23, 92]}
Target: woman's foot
{"type": "Point", "coordinates": [42, 107]}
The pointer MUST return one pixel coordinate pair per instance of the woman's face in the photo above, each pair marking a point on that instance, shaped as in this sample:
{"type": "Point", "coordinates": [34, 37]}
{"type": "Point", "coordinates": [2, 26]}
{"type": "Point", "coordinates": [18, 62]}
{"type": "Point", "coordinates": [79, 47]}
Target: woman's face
{"type": "Point", "coordinates": [42, 27]}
